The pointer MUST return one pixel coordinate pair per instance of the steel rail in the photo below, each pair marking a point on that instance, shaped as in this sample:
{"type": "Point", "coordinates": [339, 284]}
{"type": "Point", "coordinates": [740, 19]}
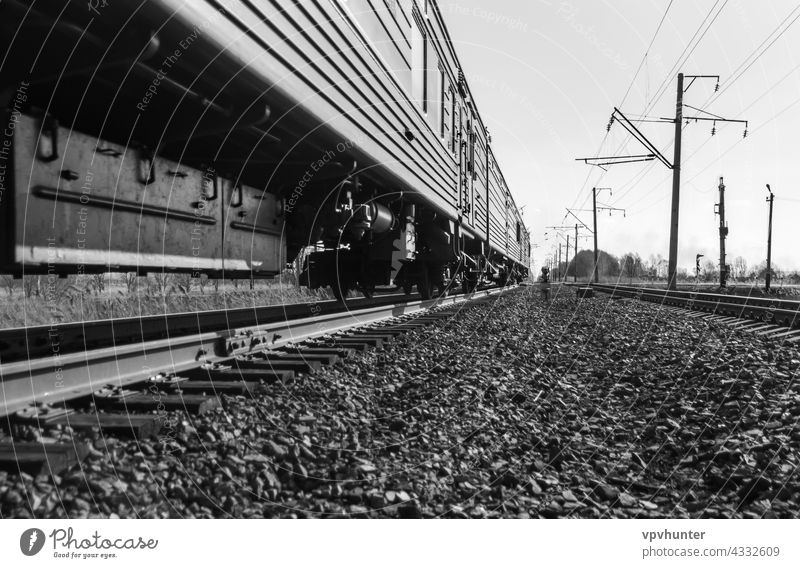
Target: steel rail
{"type": "Point", "coordinates": [770, 310]}
{"type": "Point", "coordinates": [22, 343]}
{"type": "Point", "coordinates": [58, 377]}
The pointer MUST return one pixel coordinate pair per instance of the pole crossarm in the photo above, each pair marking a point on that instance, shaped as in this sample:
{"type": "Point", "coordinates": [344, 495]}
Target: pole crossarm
{"type": "Point", "coordinates": [636, 133]}
{"type": "Point", "coordinates": [650, 159]}
{"type": "Point", "coordinates": [612, 209]}
{"type": "Point", "coordinates": [696, 118]}
{"type": "Point", "coordinates": [703, 111]}
{"type": "Point", "coordinates": [614, 157]}
{"type": "Point", "coordinates": [579, 220]}
{"type": "Point", "coordinates": [715, 119]}
{"type": "Point", "coordinates": [614, 160]}
{"type": "Point", "coordinates": [696, 77]}
{"type": "Point", "coordinates": [561, 235]}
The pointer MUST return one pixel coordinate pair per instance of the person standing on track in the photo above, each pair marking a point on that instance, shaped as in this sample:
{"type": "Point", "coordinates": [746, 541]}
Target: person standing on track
{"type": "Point", "coordinates": [544, 283]}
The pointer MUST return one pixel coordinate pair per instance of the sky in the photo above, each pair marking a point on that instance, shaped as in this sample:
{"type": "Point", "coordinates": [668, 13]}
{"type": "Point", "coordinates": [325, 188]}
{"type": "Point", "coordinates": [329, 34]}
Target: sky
{"type": "Point", "coordinates": [547, 74]}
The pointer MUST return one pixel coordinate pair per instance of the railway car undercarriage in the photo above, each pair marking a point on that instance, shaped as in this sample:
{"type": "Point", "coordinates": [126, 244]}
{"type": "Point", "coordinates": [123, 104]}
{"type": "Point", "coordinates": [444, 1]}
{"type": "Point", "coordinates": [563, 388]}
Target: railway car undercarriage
{"type": "Point", "coordinates": [152, 152]}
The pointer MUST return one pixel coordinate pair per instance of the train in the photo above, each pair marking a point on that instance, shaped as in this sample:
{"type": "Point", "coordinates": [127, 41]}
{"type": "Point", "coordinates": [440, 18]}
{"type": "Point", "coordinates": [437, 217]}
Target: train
{"type": "Point", "coordinates": [236, 138]}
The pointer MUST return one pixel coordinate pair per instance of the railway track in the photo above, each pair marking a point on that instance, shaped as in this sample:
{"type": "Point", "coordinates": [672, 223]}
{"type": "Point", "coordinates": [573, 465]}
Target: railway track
{"type": "Point", "coordinates": [122, 376]}
{"type": "Point", "coordinates": [770, 317]}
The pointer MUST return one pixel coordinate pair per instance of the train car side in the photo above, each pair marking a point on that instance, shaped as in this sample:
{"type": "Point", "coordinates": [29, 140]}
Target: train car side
{"type": "Point", "coordinates": [322, 130]}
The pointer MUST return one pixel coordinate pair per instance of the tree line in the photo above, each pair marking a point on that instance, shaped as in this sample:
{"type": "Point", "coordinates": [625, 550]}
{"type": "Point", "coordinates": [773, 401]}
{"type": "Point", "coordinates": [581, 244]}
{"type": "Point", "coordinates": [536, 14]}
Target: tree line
{"type": "Point", "coordinates": [632, 266]}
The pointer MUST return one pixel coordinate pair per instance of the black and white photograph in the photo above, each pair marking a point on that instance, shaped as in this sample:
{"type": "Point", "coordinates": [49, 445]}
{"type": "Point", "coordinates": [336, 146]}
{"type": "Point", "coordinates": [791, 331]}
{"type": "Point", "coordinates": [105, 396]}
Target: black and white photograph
{"type": "Point", "coordinates": [392, 264]}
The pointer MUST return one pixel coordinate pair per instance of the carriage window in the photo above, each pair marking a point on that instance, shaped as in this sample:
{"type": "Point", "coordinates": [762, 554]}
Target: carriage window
{"type": "Point", "coordinates": [420, 63]}
{"type": "Point", "coordinates": [442, 98]}
{"type": "Point", "coordinates": [471, 153]}
{"type": "Point", "coordinates": [519, 232]}
{"type": "Point", "coordinates": [452, 120]}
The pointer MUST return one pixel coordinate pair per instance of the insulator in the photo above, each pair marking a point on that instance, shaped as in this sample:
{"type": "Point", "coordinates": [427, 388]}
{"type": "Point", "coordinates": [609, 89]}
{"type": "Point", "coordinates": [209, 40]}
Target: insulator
{"type": "Point", "coordinates": [713, 130]}
{"type": "Point", "coordinates": [716, 87]}
{"type": "Point", "coordinates": [745, 133]}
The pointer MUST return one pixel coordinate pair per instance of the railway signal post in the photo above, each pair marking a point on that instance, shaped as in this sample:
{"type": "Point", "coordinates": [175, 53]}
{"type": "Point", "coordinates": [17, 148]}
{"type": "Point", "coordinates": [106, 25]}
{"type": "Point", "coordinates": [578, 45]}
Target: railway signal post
{"type": "Point", "coordinates": [768, 277]}
{"type": "Point", "coordinates": [723, 233]}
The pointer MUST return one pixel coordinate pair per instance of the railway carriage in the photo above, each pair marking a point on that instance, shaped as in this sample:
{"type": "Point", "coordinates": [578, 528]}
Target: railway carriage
{"type": "Point", "coordinates": [230, 138]}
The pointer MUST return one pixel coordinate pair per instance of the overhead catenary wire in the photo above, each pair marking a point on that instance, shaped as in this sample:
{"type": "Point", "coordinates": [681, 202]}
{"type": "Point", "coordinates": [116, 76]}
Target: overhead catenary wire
{"type": "Point", "coordinates": [682, 58]}
{"type": "Point", "coordinates": [667, 80]}
{"type": "Point", "coordinates": [729, 149]}
{"type": "Point", "coordinates": [738, 72]}
{"type": "Point", "coordinates": [625, 96]}
{"type": "Point", "coordinates": [736, 75]}
{"type": "Point", "coordinates": [766, 92]}
{"type": "Point", "coordinates": [747, 63]}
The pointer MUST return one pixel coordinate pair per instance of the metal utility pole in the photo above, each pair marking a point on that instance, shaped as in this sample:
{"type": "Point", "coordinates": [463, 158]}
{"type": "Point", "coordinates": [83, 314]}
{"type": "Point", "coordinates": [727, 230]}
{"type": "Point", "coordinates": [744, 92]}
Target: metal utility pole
{"type": "Point", "coordinates": [564, 227]}
{"type": "Point", "coordinates": [558, 266]}
{"type": "Point", "coordinates": [566, 261]}
{"type": "Point", "coordinates": [558, 229]}
{"type": "Point", "coordinates": [594, 217]}
{"type": "Point", "coordinates": [595, 190]}
{"type": "Point", "coordinates": [768, 279]}
{"type": "Point", "coordinates": [723, 233]}
{"type": "Point", "coordinates": [676, 190]}
{"type": "Point", "coordinates": [575, 264]}
{"type": "Point", "coordinates": [655, 153]}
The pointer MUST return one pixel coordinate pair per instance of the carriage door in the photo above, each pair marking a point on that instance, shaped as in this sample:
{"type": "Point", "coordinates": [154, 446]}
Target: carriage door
{"type": "Point", "coordinates": [470, 188]}
{"type": "Point", "coordinates": [463, 166]}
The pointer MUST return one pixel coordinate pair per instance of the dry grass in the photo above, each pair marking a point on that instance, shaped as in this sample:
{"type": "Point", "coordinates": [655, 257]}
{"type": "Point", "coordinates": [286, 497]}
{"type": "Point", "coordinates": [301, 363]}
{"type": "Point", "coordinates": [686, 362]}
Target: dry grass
{"type": "Point", "coordinates": [43, 301]}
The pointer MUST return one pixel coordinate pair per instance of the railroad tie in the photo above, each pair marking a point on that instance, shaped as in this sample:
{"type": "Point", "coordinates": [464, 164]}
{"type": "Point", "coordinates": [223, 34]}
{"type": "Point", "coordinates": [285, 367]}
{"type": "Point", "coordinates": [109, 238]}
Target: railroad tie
{"type": "Point", "coordinates": [231, 371]}
{"type": "Point", "coordinates": [148, 401]}
{"type": "Point", "coordinates": [37, 458]}
{"type": "Point", "coordinates": [115, 424]}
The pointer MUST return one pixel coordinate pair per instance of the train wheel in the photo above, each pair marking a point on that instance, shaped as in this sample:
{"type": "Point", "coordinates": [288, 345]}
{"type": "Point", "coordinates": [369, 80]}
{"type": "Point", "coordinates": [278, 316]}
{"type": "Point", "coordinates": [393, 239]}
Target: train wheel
{"type": "Point", "coordinates": [468, 284]}
{"type": "Point", "coordinates": [339, 290]}
{"type": "Point", "coordinates": [425, 283]}
{"type": "Point", "coordinates": [368, 290]}
{"type": "Point", "coordinates": [444, 288]}
{"type": "Point", "coordinates": [408, 288]}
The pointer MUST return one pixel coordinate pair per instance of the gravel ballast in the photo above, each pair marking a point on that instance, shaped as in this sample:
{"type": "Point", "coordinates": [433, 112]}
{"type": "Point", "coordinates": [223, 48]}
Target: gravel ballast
{"type": "Point", "coordinates": [524, 408]}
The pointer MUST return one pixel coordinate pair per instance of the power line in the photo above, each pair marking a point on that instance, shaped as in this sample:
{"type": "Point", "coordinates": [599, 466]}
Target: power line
{"type": "Point", "coordinates": [646, 53]}
{"type": "Point", "coordinates": [662, 87]}
{"type": "Point", "coordinates": [727, 84]}
{"type": "Point", "coordinates": [761, 125]}
{"type": "Point", "coordinates": [647, 170]}
{"type": "Point", "coordinates": [736, 74]}
{"type": "Point", "coordinates": [665, 83]}
{"type": "Point", "coordinates": [729, 149]}
{"type": "Point", "coordinates": [625, 97]}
